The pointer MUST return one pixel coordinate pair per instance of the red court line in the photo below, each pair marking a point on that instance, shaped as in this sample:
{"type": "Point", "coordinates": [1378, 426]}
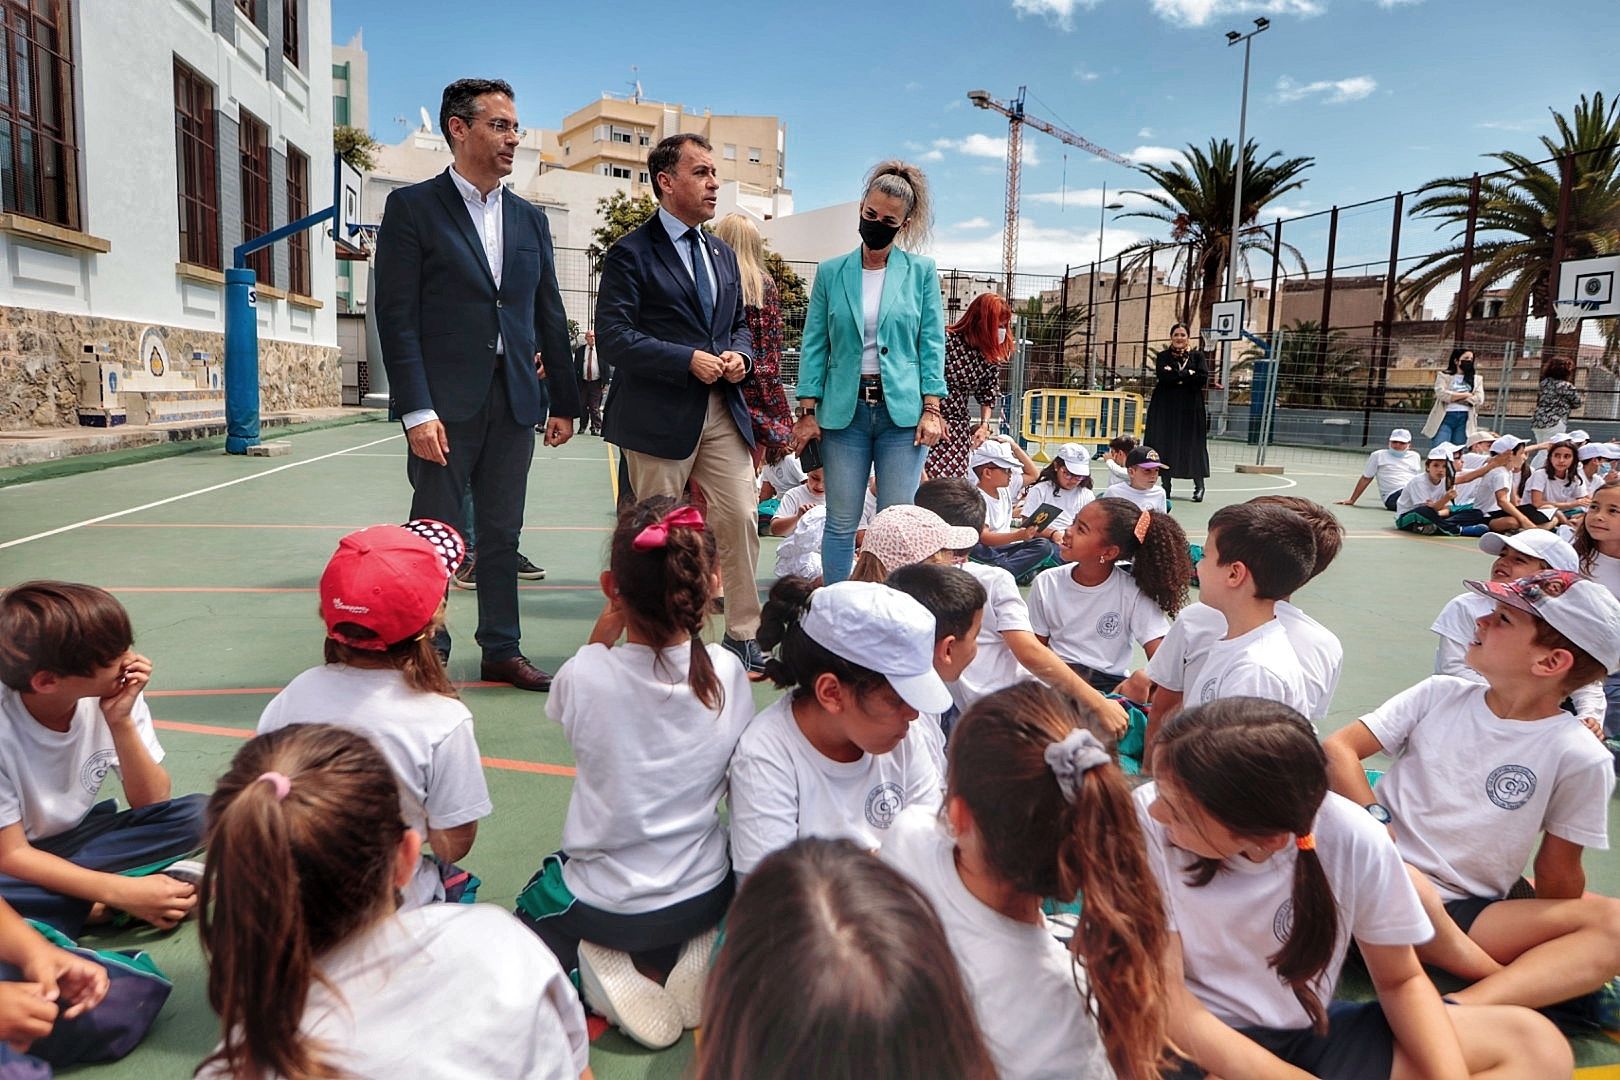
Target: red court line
{"type": "Point", "coordinates": [263, 589]}
{"type": "Point", "coordinates": [508, 764]}
{"type": "Point", "coordinates": [284, 525]}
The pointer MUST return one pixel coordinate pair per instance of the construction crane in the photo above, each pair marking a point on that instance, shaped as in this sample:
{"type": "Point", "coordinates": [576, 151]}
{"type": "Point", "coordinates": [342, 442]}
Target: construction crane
{"type": "Point", "coordinates": [1016, 119]}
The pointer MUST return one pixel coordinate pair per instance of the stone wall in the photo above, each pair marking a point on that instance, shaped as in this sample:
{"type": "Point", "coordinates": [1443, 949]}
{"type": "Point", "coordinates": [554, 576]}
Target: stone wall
{"type": "Point", "coordinates": [40, 353]}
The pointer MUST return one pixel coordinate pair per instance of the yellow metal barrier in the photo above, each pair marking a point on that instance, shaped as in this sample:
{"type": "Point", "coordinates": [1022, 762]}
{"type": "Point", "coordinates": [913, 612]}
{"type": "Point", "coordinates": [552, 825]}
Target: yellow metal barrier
{"type": "Point", "coordinates": [1088, 417]}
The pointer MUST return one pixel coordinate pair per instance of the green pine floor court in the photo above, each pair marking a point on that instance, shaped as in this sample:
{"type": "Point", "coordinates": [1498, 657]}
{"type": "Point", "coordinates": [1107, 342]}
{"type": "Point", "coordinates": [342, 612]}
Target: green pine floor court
{"type": "Point", "coordinates": [217, 559]}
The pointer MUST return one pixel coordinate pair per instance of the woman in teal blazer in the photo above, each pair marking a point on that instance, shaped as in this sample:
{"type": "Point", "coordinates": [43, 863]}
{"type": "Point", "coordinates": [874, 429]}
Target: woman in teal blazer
{"type": "Point", "coordinates": [872, 365]}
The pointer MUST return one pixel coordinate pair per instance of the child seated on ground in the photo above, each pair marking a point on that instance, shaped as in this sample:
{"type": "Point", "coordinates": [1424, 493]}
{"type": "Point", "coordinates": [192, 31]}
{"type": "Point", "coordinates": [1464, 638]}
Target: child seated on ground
{"type": "Point", "coordinates": [956, 600]}
{"type": "Point", "coordinates": [1141, 485]}
{"type": "Point", "coordinates": [1119, 448]}
{"type": "Point", "coordinates": [1066, 484]}
{"type": "Point", "coordinates": [1008, 649]}
{"type": "Point", "coordinates": [1092, 609]}
{"type": "Point", "coordinates": [1597, 544]}
{"type": "Point", "coordinates": [1484, 776]}
{"type": "Point", "coordinates": [1002, 470]}
{"type": "Point", "coordinates": [1199, 626]}
{"type": "Point", "coordinates": [71, 710]}
{"type": "Point", "coordinates": [840, 754]}
{"type": "Point", "coordinates": [383, 598]}
{"type": "Point", "coordinates": [1424, 505]}
{"type": "Point", "coordinates": [1597, 465]}
{"type": "Point", "coordinates": [1496, 494]}
{"type": "Point", "coordinates": [836, 967]}
{"type": "Point", "coordinates": [1557, 489]}
{"type": "Point", "coordinates": [1393, 467]}
{"type": "Point", "coordinates": [642, 879]}
{"type": "Point", "coordinates": [312, 968]}
{"type": "Point", "coordinates": [1268, 877]}
{"type": "Point", "coordinates": [1036, 809]}
{"type": "Point", "coordinates": [906, 534]}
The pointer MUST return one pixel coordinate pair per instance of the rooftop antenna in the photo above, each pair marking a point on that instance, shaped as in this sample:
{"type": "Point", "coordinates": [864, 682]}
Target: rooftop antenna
{"type": "Point", "coordinates": [427, 121]}
{"type": "Point", "coordinates": [635, 84]}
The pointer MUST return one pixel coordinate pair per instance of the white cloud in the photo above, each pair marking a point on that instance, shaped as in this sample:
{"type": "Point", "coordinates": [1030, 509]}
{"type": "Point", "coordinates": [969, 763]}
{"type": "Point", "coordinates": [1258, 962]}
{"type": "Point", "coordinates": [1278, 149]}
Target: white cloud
{"type": "Point", "coordinates": [1508, 125]}
{"type": "Point", "coordinates": [1145, 133]}
{"type": "Point", "coordinates": [1200, 12]}
{"type": "Point", "coordinates": [986, 146]}
{"type": "Point", "coordinates": [1084, 75]}
{"type": "Point", "coordinates": [1060, 12]}
{"type": "Point", "coordinates": [973, 223]}
{"type": "Point", "coordinates": [931, 155]}
{"type": "Point", "coordinates": [1041, 249]}
{"type": "Point", "coordinates": [1332, 91]}
{"type": "Point", "coordinates": [1156, 155]}
{"type": "Point", "coordinates": [1397, 3]}
{"type": "Point", "coordinates": [1088, 199]}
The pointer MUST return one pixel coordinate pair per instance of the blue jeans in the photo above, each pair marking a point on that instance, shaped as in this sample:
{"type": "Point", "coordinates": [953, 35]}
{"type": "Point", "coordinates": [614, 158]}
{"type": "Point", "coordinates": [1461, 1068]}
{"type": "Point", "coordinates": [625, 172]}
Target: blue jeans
{"type": "Point", "coordinates": [1019, 558]}
{"type": "Point", "coordinates": [847, 457]}
{"type": "Point", "coordinates": [1453, 429]}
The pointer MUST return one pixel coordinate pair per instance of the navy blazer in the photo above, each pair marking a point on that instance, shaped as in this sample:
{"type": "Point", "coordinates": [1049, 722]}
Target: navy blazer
{"type": "Point", "coordinates": [439, 313]}
{"type": "Point", "coordinates": [647, 326]}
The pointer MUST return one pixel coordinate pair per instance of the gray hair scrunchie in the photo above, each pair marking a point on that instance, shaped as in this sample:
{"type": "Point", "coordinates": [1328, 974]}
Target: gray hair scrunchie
{"type": "Point", "coordinates": [1071, 758]}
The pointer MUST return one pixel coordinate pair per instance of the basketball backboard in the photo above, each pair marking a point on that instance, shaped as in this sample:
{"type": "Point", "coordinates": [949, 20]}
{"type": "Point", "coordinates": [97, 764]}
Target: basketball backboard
{"type": "Point", "coordinates": [1226, 321]}
{"type": "Point", "coordinates": [1593, 284]}
{"type": "Point", "coordinates": [346, 209]}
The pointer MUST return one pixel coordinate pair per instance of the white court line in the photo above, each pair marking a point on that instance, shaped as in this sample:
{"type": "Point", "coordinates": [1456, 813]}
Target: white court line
{"type": "Point", "coordinates": [1286, 483]}
{"type": "Point", "coordinates": [538, 460]}
{"type": "Point", "coordinates": [189, 494]}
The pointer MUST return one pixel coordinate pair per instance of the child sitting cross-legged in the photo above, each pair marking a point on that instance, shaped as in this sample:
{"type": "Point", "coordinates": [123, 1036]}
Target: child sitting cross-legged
{"type": "Point", "coordinates": [313, 968]}
{"type": "Point", "coordinates": [1002, 470]}
{"type": "Point", "coordinates": [1141, 483]}
{"type": "Point", "coordinates": [382, 598]}
{"type": "Point", "coordinates": [71, 710]}
{"type": "Point", "coordinates": [1066, 484]}
{"type": "Point", "coordinates": [642, 879]}
{"type": "Point", "coordinates": [1486, 775]}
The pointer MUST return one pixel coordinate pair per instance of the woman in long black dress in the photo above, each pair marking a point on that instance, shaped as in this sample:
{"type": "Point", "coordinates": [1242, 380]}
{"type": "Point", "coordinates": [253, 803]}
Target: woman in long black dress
{"type": "Point", "coordinates": [1177, 423]}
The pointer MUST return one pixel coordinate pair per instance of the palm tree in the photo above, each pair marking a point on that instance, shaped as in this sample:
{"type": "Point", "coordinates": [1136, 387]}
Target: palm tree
{"type": "Point", "coordinates": [1195, 200]}
{"type": "Point", "coordinates": [1518, 213]}
{"type": "Point", "coordinates": [1314, 368]}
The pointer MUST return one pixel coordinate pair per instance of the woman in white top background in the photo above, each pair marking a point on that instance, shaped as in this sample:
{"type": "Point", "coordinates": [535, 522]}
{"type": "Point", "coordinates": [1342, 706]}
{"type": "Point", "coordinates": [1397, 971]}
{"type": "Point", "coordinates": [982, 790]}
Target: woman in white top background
{"type": "Point", "coordinates": [1459, 391]}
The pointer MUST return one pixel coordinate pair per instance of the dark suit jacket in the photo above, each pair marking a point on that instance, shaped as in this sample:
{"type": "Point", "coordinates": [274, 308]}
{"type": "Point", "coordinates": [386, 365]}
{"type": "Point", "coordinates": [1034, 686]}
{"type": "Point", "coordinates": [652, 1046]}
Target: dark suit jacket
{"type": "Point", "coordinates": [647, 326]}
{"type": "Point", "coordinates": [604, 370]}
{"type": "Point", "coordinates": [439, 313]}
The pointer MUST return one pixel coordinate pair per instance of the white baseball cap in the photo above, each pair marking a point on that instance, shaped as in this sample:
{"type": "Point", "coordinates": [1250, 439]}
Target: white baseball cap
{"type": "Point", "coordinates": [1536, 543]}
{"type": "Point", "coordinates": [1506, 443]}
{"type": "Point", "coordinates": [993, 452]}
{"type": "Point", "coordinates": [1075, 458]}
{"type": "Point", "coordinates": [905, 534]}
{"type": "Point", "coordinates": [1442, 451]}
{"type": "Point", "coordinates": [1579, 436]}
{"type": "Point", "coordinates": [1560, 437]}
{"type": "Point", "coordinates": [882, 630]}
{"type": "Point", "coordinates": [1400, 434]}
{"type": "Point", "coordinates": [1577, 607]}
{"type": "Point", "coordinates": [1598, 450]}
{"type": "Point", "coordinates": [1479, 435]}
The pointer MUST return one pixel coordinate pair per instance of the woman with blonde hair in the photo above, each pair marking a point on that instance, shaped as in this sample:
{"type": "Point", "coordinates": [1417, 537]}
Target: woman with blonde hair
{"type": "Point", "coordinates": [762, 390]}
{"type": "Point", "coordinates": [872, 370]}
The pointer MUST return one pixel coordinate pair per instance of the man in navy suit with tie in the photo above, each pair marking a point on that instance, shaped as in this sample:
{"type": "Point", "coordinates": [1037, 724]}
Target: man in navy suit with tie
{"type": "Point", "coordinates": [669, 317]}
{"type": "Point", "coordinates": [466, 299]}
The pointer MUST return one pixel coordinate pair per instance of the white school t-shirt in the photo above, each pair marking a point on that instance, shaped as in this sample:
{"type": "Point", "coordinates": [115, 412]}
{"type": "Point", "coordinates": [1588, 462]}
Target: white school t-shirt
{"type": "Point", "coordinates": [1094, 625]}
{"type": "Point", "coordinates": [1229, 927]}
{"type": "Point", "coordinates": [783, 788]}
{"type": "Point", "coordinates": [1605, 571]}
{"type": "Point", "coordinates": [49, 780]}
{"type": "Point", "coordinates": [1070, 502]}
{"type": "Point", "coordinates": [799, 553]}
{"type": "Point", "coordinates": [1198, 626]}
{"type": "Point", "coordinates": [1556, 491]}
{"type": "Point", "coordinates": [995, 666]}
{"type": "Point", "coordinates": [1455, 626]}
{"type": "Point", "coordinates": [427, 740]}
{"type": "Point", "coordinates": [784, 476]}
{"type": "Point", "coordinates": [1021, 979]}
{"type": "Point", "coordinates": [1151, 499]}
{"type": "Point", "coordinates": [1261, 663]}
{"type": "Point", "coordinates": [1393, 469]}
{"type": "Point", "coordinates": [451, 991]}
{"type": "Point", "coordinates": [642, 830]}
{"type": "Point", "coordinates": [1471, 793]}
{"type": "Point", "coordinates": [1419, 491]}
{"type": "Point", "coordinates": [999, 509]}
{"type": "Point", "coordinates": [797, 498]}
{"type": "Point", "coordinates": [1486, 487]}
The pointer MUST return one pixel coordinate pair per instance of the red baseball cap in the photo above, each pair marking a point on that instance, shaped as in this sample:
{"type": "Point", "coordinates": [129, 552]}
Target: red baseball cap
{"type": "Point", "coordinates": [389, 579]}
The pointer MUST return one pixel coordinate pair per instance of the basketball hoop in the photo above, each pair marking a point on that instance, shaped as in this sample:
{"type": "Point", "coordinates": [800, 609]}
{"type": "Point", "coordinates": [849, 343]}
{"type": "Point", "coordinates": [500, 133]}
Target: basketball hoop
{"type": "Point", "coordinates": [1211, 339]}
{"type": "Point", "coordinates": [1569, 314]}
{"type": "Point", "coordinates": [361, 244]}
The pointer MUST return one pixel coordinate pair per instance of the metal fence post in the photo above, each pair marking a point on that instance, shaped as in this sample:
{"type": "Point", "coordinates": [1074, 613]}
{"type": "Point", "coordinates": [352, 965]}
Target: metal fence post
{"type": "Point", "coordinates": [1015, 378]}
{"type": "Point", "coordinates": [1268, 407]}
{"type": "Point", "coordinates": [1503, 387]}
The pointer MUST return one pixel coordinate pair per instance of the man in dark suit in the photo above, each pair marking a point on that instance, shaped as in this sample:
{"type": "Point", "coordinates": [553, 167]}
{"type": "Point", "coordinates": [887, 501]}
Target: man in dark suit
{"type": "Point", "coordinates": [466, 299]}
{"type": "Point", "coordinates": [593, 373]}
{"type": "Point", "coordinates": [670, 314]}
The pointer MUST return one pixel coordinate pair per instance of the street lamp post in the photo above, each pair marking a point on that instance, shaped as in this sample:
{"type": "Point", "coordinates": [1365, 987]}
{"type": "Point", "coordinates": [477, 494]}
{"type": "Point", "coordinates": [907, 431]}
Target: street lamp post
{"type": "Point", "coordinates": [1096, 269]}
{"type": "Point", "coordinates": [1232, 38]}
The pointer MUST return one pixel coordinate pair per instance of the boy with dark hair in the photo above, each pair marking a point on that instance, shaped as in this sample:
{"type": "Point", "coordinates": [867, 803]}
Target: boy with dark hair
{"type": "Point", "coordinates": [1482, 773]}
{"type": "Point", "coordinates": [1003, 470]}
{"type": "Point", "coordinates": [71, 709]}
{"type": "Point", "coordinates": [956, 600]}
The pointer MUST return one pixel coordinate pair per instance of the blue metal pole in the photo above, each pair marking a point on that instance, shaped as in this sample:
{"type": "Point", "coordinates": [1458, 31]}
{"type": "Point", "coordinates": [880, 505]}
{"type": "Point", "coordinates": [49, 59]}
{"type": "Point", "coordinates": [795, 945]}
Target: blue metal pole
{"type": "Point", "coordinates": [241, 361]}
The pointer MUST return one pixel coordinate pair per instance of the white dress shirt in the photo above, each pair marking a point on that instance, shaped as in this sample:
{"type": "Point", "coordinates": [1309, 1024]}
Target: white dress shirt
{"type": "Point", "coordinates": [487, 221]}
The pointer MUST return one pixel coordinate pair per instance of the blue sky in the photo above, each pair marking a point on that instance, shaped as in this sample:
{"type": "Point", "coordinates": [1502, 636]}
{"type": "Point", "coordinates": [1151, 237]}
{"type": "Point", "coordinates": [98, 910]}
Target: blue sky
{"type": "Point", "coordinates": [1385, 94]}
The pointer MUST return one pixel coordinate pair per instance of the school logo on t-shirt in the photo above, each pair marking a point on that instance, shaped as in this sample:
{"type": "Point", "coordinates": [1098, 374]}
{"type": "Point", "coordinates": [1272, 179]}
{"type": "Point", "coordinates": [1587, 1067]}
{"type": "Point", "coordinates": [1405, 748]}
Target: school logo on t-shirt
{"type": "Point", "coordinates": [95, 769]}
{"type": "Point", "coordinates": [1206, 692]}
{"type": "Point", "coordinates": [1110, 625]}
{"type": "Point", "coordinates": [883, 804]}
{"type": "Point", "coordinates": [1282, 924]}
{"type": "Point", "coordinates": [1510, 786]}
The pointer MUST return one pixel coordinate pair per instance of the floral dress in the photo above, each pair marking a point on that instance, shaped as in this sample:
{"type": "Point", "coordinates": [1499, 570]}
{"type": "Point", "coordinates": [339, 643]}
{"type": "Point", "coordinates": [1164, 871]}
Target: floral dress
{"type": "Point", "coordinates": [762, 390]}
{"type": "Point", "coordinates": [1555, 400]}
{"type": "Point", "coordinates": [968, 375]}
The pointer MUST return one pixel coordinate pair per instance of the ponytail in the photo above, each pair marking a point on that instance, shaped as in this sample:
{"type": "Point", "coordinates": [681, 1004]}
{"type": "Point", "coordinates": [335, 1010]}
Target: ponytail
{"type": "Point", "coordinates": [315, 809]}
{"type": "Point", "coordinates": [1158, 552]}
{"type": "Point", "coordinates": [416, 660]}
{"type": "Point", "coordinates": [1041, 843]}
{"type": "Point", "coordinates": [1312, 934]}
{"type": "Point", "coordinates": [666, 590]}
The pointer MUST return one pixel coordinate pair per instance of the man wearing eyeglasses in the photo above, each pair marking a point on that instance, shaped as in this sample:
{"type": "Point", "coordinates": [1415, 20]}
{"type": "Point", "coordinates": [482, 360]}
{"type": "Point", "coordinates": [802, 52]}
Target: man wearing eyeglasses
{"type": "Point", "coordinates": [466, 299]}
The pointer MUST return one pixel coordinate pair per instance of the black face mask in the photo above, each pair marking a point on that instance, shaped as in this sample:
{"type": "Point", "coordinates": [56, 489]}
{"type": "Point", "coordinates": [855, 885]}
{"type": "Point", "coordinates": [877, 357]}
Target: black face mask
{"type": "Point", "coordinates": [1467, 368]}
{"type": "Point", "coordinates": [877, 235]}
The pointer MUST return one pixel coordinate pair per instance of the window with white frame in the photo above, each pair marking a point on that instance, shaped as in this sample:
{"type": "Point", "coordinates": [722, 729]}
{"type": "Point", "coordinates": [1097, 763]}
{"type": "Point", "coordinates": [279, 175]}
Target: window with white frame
{"type": "Point", "coordinates": [731, 151]}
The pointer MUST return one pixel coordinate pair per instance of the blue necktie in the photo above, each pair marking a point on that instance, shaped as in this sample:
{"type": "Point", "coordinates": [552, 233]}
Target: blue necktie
{"type": "Point", "coordinates": [700, 276]}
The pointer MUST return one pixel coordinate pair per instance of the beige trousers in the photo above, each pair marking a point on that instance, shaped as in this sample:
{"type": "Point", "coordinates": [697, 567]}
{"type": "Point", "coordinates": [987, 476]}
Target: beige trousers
{"type": "Point", "coordinates": [724, 469]}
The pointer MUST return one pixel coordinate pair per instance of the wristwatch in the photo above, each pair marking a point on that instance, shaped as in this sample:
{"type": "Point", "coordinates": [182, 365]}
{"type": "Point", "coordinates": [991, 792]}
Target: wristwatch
{"type": "Point", "coordinates": [1380, 813]}
{"type": "Point", "coordinates": [806, 411]}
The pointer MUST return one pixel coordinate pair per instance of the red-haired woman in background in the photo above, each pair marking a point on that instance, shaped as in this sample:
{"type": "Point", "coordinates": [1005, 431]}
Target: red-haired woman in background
{"type": "Point", "coordinates": [976, 347]}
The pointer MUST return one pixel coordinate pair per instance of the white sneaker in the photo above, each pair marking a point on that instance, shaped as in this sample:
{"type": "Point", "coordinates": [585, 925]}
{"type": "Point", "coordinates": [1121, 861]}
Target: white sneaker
{"type": "Point", "coordinates": [189, 871]}
{"type": "Point", "coordinates": [691, 971]}
{"type": "Point", "coordinates": [631, 1002]}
